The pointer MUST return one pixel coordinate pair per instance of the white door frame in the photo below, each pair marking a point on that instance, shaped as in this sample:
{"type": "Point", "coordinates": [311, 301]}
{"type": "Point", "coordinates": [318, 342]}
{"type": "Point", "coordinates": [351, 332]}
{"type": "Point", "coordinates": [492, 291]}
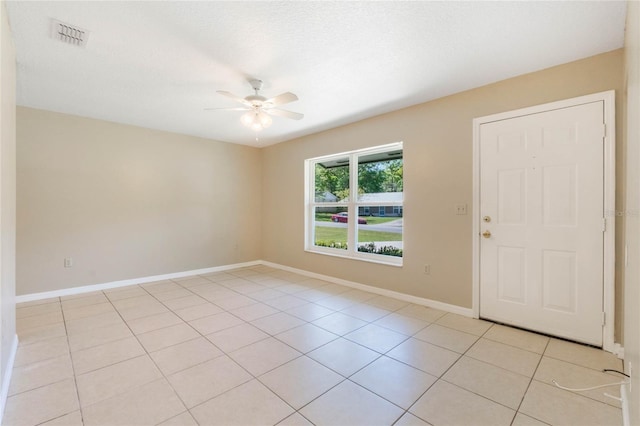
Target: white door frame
{"type": "Point", "coordinates": [609, 200]}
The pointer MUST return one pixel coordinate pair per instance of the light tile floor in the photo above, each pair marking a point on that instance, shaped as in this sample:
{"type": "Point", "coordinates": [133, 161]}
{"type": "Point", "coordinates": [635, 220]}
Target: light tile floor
{"type": "Point", "coordinates": [264, 346]}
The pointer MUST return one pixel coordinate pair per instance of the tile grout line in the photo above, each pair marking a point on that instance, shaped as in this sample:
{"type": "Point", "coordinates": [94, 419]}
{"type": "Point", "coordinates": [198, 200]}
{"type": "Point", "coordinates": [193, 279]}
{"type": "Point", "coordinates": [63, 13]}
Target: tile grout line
{"type": "Point", "coordinates": [147, 354]}
{"type": "Point", "coordinates": [201, 335]}
{"type": "Point", "coordinates": [239, 365]}
{"type": "Point", "coordinates": [248, 322]}
{"type": "Point", "coordinates": [543, 355]}
{"type": "Point", "coordinates": [304, 322]}
{"type": "Point", "coordinates": [305, 355]}
{"type": "Point", "coordinates": [438, 378]}
{"type": "Point", "coordinates": [380, 355]}
{"type": "Point", "coordinates": [152, 295]}
{"type": "Point", "coordinates": [224, 354]}
{"type": "Point", "coordinates": [347, 378]}
{"type": "Point", "coordinates": [73, 368]}
{"type": "Point", "coordinates": [524, 395]}
{"type": "Point", "coordinates": [449, 368]}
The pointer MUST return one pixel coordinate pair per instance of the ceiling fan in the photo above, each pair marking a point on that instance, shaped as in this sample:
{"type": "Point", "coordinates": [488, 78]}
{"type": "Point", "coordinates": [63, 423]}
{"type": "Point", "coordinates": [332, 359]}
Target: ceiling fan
{"type": "Point", "coordinates": [260, 108]}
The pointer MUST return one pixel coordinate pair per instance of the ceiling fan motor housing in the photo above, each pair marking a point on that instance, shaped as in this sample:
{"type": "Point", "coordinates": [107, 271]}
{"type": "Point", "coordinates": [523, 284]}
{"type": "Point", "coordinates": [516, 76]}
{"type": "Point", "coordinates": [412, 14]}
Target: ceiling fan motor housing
{"type": "Point", "coordinates": [256, 100]}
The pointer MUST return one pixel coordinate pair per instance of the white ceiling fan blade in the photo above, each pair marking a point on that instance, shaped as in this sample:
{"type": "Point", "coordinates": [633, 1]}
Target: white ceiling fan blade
{"type": "Point", "coordinates": [282, 99]}
{"type": "Point", "coordinates": [234, 97]}
{"type": "Point", "coordinates": [228, 109]}
{"type": "Point", "coordinates": [285, 113]}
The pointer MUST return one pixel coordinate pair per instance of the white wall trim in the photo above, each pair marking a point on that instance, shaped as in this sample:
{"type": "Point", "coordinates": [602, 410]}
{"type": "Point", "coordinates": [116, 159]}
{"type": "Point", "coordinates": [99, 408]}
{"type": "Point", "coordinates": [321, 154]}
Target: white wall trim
{"type": "Point", "coordinates": [124, 283]}
{"type": "Point", "coordinates": [380, 291]}
{"type": "Point", "coordinates": [608, 98]}
{"type": "Point", "coordinates": [624, 398]}
{"type": "Point", "coordinates": [608, 332]}
{"type": "Point", "coordinates": [6, 381]}
{"type": "Point", "coordinates": [618, 350]}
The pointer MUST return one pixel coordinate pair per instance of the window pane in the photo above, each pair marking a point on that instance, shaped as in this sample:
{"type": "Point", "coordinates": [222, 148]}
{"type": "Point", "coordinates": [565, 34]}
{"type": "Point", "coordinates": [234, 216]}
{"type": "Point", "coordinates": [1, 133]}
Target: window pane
{"type": "Point", "coordinates": [380, 231]}
{"type": "Point", "coordinates": [330, 224]}
{"type": "Point", "coordinates": [357, 204]}
{"type": "Point", "coordinates": [380, 177]}
{"type": "Point", "coordinates": [332, 180]}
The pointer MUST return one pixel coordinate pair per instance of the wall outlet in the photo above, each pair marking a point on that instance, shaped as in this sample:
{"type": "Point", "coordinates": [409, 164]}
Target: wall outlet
{"type": "Point", "coordinates": [68, 262]}
{"type": "Point", "coordinates": [461, 209]}
{"type": "Point", "coordinates": [427, 269]}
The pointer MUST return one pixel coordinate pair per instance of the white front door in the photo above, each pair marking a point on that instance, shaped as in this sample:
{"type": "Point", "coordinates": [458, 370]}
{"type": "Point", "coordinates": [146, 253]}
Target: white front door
{"type": "Point", "coordinates": [542, 222]}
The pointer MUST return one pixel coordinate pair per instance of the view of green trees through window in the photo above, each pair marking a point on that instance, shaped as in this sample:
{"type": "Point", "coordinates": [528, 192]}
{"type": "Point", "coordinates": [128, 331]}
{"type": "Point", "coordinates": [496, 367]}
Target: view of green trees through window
{"type": "Point", "coordinates": [378, 205]}
{"type": "Point", "coordinates": [376, 177]}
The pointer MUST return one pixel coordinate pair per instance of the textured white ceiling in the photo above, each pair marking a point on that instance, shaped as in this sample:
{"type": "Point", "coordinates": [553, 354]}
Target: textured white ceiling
{"type": "Point", "coordinates": [158, 64]}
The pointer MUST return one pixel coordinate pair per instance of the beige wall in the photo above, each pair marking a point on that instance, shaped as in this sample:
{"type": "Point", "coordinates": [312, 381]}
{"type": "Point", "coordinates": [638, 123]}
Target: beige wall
{"type": "Point", "coordinates": [632, 281]}
{"type": "Point", "coordinates": [126, 202]}
{"type": "Point", "coordinates": [437, 175]}
{"type": "Point", "coordinates": [7, 195]}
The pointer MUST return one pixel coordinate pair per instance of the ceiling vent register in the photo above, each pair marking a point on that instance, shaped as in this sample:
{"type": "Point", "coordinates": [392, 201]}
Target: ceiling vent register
{"type": "Point", "coordinates": [68, 33]}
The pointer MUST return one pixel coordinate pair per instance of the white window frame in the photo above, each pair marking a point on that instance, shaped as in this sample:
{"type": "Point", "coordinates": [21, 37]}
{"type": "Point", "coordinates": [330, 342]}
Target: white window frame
{"type": "Point", "coordinates": [351, 203]}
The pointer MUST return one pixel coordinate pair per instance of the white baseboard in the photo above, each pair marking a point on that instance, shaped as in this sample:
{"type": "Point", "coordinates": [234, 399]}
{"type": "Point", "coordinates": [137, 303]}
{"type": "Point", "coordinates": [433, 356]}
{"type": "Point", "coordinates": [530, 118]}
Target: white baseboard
{"type": "Point", "coordinates": [467, 312]}
{"type": "Point", "coordinates": [624, 398]}
{"type": "Point", "coordinates": [123, 283]}
{"type": "Point", "coordinates": [6, 381]}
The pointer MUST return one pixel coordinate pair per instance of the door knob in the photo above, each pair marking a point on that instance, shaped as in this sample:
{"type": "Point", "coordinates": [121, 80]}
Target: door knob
{"type": "Point", "coordinates": [486, 234]}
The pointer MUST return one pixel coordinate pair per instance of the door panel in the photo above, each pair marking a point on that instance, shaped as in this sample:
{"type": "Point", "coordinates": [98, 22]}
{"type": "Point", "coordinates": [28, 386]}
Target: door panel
{"type": "Point", "coordinates": [541, 185]}
{"type": "Point", "coordinates": [511, 196]}
{"type": "Point", "coordinates": [559, 195]}
{"type": "Point", "coordinates": [559, 283]}
{"type": "Point", "coordinates": [511, 279]}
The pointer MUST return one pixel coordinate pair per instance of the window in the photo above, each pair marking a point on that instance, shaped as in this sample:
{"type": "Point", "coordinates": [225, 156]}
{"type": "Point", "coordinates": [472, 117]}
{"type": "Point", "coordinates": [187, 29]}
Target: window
{"type": "Point", "coordinates": [354, 204]}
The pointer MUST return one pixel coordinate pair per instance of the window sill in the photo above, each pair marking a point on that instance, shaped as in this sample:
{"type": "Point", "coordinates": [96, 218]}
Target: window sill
{"type": "Point", "coordinates": [394, 261]}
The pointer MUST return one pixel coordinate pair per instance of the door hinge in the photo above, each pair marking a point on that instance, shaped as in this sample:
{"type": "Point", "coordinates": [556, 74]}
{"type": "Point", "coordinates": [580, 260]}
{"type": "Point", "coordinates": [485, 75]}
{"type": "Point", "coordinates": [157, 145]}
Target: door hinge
{"type": "Point", "coordinates": [604, 318]}
{"type": "Point", "coordinates": [604, 224]}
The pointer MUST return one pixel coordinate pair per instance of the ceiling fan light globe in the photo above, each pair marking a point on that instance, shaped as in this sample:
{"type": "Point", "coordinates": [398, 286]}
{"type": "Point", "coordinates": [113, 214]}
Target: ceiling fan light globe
{"type": "Point", "coordinates": [256, 127]}
{"type": "Point", "coordinates": [248, 118]}
{"type": "Point", "coordinates": [264, 119]}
